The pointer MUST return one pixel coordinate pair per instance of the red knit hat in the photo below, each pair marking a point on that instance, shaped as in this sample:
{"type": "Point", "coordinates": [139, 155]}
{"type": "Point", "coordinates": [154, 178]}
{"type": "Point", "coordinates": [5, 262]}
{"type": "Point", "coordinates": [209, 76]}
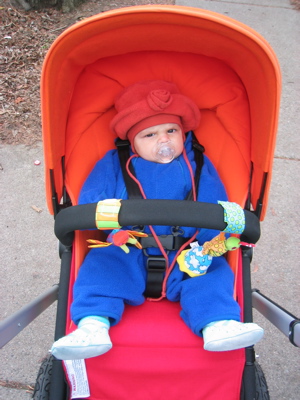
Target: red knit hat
{"type": "Point", "coordinates": [149, 103]}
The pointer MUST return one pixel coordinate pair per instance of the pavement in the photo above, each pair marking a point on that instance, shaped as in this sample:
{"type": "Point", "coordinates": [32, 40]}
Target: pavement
{"type": "Point", "coordinates": [28, 251]}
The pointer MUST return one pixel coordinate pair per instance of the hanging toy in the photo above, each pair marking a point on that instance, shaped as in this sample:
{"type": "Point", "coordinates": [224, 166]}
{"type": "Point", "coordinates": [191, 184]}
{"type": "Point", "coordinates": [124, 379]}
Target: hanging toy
{"type": "Point", "coordinates": [119, 238]}
{"type": "Point", "coordinates": [196, 261]}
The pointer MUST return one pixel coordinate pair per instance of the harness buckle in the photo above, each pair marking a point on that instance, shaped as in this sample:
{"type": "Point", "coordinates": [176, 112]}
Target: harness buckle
{"type": "Point", "coordinates": [156, 268]}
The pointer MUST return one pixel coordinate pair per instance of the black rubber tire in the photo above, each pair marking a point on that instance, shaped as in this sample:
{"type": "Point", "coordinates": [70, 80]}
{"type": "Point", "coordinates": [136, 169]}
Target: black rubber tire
{"type": "Point", "coordinates": [43, 380]}
{"type": "Point", "coordinates": [261, 387]}
{"type": "Point", "coordinates": [262, 391]}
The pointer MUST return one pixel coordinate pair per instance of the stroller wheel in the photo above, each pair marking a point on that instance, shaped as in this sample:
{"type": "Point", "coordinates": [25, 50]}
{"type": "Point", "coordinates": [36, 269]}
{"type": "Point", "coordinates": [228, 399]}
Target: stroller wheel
{"type": "Point", "coordinates": [261, 387]}
{"type": "Point", "coordinates": [262, 392]}
{"type": "Point", "coordinates": [43, 381]}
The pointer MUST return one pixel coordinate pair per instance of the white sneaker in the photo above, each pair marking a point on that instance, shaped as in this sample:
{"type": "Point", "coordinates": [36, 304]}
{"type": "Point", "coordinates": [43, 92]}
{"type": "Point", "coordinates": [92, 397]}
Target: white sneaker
{"type": "Point", "coordinates": [230, 335]}
{"type": "Point", "coordinates": [91, 339]}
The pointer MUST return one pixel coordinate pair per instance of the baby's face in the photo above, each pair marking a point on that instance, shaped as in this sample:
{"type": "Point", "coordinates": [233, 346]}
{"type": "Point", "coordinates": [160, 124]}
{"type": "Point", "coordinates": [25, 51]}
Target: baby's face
{"type": "Point", "coordinates": [148, 140]}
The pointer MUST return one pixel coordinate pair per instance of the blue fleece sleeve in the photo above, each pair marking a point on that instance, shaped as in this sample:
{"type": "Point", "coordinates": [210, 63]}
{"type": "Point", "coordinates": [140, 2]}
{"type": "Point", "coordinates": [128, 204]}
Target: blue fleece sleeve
{"type": "Point", "coordinates": [211, 188]}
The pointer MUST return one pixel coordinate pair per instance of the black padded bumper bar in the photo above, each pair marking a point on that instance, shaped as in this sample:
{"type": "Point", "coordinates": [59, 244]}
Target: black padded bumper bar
{"type": "Point", "coordinates": [153, 212]}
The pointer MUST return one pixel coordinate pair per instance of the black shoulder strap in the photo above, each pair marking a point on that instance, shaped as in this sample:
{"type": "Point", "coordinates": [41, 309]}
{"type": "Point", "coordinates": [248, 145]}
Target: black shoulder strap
{"type": "Point", "coordinates": [133, 190]}
{"type": "Point", "coordinates": [199, 159]}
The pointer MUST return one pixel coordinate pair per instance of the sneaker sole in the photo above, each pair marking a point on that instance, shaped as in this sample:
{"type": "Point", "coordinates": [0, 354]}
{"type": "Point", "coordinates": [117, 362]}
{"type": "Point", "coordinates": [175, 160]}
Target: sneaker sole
{"type": "Point", "coordinates": [234, 343]}
{"type": "Point", "coordinates": [79, 353]}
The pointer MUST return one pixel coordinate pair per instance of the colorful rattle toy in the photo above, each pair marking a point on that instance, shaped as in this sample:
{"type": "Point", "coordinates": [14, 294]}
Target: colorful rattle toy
{"type": "Point", "coordinates": [119, 237]}
{"type": "Point", "coordinates": [196, 260]}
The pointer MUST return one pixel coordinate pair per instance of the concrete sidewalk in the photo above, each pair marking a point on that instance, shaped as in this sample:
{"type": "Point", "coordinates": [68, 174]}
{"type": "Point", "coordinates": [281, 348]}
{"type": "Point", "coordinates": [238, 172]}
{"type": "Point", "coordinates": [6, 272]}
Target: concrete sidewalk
{"type": "Point", "coordinates": [29, 257]}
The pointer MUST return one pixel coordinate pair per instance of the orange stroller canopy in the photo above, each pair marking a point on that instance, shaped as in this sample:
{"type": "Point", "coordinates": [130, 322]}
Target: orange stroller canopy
{"type": "Point", "coordinates": [116, 48]}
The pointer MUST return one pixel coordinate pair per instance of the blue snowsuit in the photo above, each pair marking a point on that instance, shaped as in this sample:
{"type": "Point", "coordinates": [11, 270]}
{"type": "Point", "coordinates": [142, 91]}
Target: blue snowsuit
{"type": "Point", "coordinates": [108, 277]}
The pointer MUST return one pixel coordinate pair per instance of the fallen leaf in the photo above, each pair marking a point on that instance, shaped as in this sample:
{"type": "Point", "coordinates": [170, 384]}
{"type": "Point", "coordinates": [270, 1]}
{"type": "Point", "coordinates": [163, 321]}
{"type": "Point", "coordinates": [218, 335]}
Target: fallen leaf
{"type": "Point", "coordinates": [273, 212]}
{"type": "Point", "coordinates": [255, 269]}
{"type": "Point", "coordinates": [19, 100]}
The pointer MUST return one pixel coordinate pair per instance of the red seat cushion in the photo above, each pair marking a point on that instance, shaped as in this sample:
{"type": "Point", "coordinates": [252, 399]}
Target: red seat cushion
{"type": "Point", "coordinates": [155, 356]}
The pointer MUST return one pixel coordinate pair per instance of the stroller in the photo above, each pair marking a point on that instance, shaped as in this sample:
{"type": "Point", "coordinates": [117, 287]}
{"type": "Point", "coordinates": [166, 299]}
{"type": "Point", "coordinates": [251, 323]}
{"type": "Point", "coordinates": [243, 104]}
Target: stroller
{"type": "Point", "coordinates": [233, 76]}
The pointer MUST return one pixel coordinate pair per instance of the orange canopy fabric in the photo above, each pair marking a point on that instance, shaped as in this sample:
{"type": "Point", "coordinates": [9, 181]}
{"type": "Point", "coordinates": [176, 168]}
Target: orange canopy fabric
{"type": "Point", "coordinates": [224, 128]}
{"type": "Point", "coordinates": [182, 44]}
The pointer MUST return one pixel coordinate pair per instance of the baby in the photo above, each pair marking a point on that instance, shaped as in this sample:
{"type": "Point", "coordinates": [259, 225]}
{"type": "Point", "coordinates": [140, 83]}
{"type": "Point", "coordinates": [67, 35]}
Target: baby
{"type": "Point", "coordinates": [157, 120]}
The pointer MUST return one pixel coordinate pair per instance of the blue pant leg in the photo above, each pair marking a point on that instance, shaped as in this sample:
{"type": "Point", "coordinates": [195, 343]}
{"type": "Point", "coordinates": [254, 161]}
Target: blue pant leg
{"type": "Point", "coordinates": [209, 297]}
{"type": "Point", "coordinates": [107, 279]}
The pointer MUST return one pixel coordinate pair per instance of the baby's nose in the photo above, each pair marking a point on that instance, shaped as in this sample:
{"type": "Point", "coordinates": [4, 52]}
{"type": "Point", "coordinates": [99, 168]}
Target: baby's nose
{"type": "Point", "coordinates": [164, 137]}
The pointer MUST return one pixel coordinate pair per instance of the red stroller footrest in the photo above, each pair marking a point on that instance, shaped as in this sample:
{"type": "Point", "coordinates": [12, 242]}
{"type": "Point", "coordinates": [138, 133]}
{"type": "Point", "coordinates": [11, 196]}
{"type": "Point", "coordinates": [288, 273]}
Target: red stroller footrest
{"type": "Point", "coordinates": [155, 356]}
